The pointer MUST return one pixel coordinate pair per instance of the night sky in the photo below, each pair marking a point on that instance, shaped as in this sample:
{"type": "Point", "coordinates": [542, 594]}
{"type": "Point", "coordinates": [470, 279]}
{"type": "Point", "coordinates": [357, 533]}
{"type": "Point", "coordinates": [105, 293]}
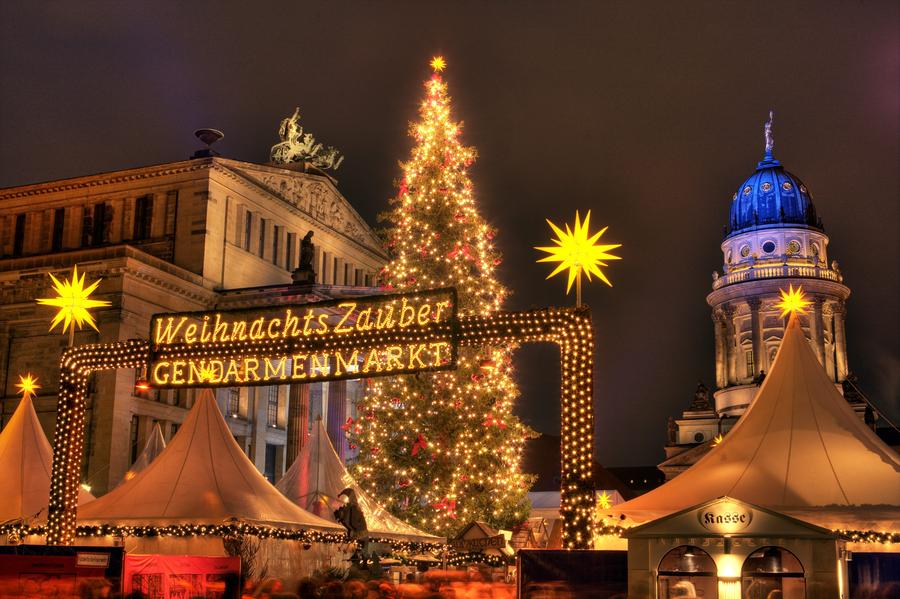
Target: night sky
{"type": "Point", "coordinates": [651, 116]}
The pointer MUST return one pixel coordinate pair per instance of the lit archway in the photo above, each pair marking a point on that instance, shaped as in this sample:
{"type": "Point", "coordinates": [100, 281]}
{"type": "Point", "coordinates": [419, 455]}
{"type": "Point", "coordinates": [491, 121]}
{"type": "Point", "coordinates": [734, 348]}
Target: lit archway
{"type": "Point", "coordinates": [203, 364]}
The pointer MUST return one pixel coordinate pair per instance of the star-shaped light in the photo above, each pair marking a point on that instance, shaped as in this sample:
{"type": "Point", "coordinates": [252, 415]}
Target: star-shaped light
{"type": "Point", "coordinates": [604, 501]}
{"type": "Point", "coordinates": [793, 301]}
{"type": "Point", "coordinates": [576, 250]}
{"type": "Point", "coordinates": [27, 385]}
{"type": "Point", "coordinates": [73, 300]}
{"type": "Point", "coordinates": [438, 64]}
{"type": "Point", "coordinates": [717, 439]}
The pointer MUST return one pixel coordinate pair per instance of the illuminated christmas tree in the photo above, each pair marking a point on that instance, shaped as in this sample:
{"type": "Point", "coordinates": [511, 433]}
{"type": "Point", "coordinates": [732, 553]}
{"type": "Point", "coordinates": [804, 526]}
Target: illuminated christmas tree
{"type": "Point", "coordinates": [441, 449]}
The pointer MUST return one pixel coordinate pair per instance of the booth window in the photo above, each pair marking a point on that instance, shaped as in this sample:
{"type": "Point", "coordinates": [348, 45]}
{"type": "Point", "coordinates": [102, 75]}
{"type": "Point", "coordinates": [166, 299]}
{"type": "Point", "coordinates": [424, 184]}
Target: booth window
{"type": "Point", "coordinates": [772, 572]}
{"type": "Point", "coordinates": [687, 571]}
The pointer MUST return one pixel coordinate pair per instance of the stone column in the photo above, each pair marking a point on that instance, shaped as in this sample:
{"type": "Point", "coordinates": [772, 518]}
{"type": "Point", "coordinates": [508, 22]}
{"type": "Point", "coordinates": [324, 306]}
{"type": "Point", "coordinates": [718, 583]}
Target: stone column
{"type": "Point", "coordinates": [337, 416]}
{"type": "Point", "coordinates": [297, 422]}
{"type": "Point", "coordinates": [258, 427]}
{"type": "Point", "coordinates": [756, 336]}
{"type": "Point", "coordinates": [817, 329]}
{"type": "Point", "coordinates": [730, 345]}
{"type": "Point", "coordinates": [840, 340]}
{"type": "Point", "coordinates": [721, 351]}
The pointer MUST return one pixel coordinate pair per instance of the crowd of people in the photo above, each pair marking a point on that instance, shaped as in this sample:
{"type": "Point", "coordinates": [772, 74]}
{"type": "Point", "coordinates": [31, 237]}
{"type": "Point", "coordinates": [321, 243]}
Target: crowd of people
{"type": "Point", "coordinates": [432, 585]}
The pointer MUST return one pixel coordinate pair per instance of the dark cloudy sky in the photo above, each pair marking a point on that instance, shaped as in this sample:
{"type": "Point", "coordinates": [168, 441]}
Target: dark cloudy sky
{"type": "Point", "coordinates": [648, 113]}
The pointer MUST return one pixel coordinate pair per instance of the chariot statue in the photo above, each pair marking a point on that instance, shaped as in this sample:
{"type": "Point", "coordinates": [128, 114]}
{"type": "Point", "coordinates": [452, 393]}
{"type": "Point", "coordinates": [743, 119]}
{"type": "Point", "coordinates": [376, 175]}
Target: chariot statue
{"type": "Point", "coordinates": [297, 146]}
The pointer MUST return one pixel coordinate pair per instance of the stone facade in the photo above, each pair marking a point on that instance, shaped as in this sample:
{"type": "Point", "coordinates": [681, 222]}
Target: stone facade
{"type": "Point", "coordinates": [193, 235]}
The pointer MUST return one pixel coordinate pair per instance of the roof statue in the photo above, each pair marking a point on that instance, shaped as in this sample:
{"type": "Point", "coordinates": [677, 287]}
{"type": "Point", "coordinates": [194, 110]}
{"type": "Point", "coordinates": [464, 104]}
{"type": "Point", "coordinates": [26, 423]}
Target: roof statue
{"type": "Point", "coordinates": [318, 476]}
{"type": "Point", "coordinates": [297, 146]}
{"type": "Point", "coordinates": [202, 477]}
{"type": "Point", "coordinates": [25, 458]}
{"type": "Point", "coordinates": [154, 446]}
{"type": "Point", "coordinates": [799, 449]}
{"type": "Point", "coordinates": [767, 129]}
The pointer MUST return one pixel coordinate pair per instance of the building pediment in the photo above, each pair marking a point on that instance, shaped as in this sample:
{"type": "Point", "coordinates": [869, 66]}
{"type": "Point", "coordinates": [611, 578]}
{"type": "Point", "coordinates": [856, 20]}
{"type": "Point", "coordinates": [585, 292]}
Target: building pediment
{"type": "Point", "coordinates": [313, 195]}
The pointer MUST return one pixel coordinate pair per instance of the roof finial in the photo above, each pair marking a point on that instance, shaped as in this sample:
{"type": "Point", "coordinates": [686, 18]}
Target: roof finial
{"type": "Point", "coordinates": [770, 140]}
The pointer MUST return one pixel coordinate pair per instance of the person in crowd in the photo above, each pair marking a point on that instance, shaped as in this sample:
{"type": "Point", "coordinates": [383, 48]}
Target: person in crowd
{"type": "Point", "coordinates": [351, 517]}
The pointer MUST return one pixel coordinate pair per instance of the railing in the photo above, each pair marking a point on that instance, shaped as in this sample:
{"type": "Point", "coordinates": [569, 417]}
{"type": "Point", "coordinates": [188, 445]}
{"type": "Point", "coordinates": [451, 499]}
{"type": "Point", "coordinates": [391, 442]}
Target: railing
{"type": "Point", "coordinates": [775, 272]}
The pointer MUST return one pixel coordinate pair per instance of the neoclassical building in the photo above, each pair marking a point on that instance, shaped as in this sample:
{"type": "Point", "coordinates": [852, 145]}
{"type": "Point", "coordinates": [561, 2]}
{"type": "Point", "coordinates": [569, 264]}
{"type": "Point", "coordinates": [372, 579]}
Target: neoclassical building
{"type": "Point", "coordinates": [199, 234]}
{"type": "Point", "coordinates": [773, 239]}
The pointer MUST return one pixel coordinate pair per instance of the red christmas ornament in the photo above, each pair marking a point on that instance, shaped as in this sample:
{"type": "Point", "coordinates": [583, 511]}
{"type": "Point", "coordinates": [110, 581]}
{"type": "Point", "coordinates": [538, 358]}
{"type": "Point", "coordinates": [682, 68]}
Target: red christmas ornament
{"type": "Point", "coordinates": [419, 445]}
{"type": "Point", "coordinates": [498, 261]}
{"type": "Point", "coordinates": [347, 425]}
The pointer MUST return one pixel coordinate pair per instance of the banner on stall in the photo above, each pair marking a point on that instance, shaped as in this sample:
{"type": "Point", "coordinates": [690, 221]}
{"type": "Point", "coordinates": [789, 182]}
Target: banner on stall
{"type": "Point", "coordinates": [180, 576]}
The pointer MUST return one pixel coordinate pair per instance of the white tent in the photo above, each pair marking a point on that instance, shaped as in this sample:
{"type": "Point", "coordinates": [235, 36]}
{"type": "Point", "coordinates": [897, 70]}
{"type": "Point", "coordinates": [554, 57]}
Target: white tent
{"type": "Point", "coordinates": [799, 449]}
{"type": "Point", "coordinates": [317, 476]}
{"type": "Point", "coordinates": [154, 446]}
{"type": "Point", "coordinates": [202, 477]}
{"type": "Point", "coordinates": [25, 466]}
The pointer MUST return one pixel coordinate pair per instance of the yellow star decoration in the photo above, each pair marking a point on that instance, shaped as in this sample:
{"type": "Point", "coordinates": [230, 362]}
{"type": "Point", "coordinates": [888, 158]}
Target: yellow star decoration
{"type": "Point", "coordinates": [27, 385]}
{"type": "Point", "coordinates": [576, 250]}
{"type": "Point", "coordinates": [438, 64]}
{"type": "Point", "coordinates": [717, 439]}
{"type": "Point", "coordinates": [793, 301]}
{"type": "Point", "coordinates": [73, 300]}
{"type": "Point", "coordinates": [604, 501]}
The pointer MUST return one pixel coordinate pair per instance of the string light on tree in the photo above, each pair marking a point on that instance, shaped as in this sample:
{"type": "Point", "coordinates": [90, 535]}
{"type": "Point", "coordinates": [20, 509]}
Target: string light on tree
{"type": "Point", "coordinates": [74, 303]}
{"type": "Point", "coordinates": [577, 252]}
{"type": "Point", "coordinates": [443, 449]}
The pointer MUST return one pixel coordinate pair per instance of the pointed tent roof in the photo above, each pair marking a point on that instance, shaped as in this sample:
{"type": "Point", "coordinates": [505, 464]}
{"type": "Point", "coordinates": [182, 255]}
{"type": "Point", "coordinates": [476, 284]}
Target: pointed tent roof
{"type": "Point", "coordinates": [25, 466]}
{"type": "Point", "coordinates": [799, 449]}
{"type": "Point", "coordinates": [154, 446]}
{"type": "Point", "coordinates": [201, 477]}
{"type": "Point", "coordinates": [318, 475]}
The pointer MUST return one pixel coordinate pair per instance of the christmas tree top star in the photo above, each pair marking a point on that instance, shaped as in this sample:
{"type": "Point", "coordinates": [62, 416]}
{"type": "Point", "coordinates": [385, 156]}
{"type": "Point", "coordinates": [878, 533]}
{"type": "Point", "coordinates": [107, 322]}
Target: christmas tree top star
{"type": "Point", "coordinates": [793, 301]}
{"type": "Point", "coordinates": [27, 385]}
{"type": "Point", "coordinates": [577, 250]}
{"type": "Point", "coordinates": [438, 64]}
{"type": "Point", "coordinates": [74, 303]}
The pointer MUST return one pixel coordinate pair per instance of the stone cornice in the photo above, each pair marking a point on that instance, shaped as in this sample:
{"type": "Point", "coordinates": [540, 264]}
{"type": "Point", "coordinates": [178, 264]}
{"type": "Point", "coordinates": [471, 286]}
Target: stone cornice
{"type": "Point", "coordinates": [224, 167]}
{"type": "Point", "coordinates": [760, 287]}
{"type": "Point", "coordinates": [107, 178]}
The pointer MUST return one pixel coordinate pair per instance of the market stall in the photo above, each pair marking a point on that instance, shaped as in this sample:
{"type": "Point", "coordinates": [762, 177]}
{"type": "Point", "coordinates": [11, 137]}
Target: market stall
{"type": "Point", "coordinates": [203, 496]}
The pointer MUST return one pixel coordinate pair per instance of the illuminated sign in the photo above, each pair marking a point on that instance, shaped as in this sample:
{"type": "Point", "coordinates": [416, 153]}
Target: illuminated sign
{"type": "Point", "coordinates": [323, 341]}
{"type": "Point", "coordinates": [725, 518]}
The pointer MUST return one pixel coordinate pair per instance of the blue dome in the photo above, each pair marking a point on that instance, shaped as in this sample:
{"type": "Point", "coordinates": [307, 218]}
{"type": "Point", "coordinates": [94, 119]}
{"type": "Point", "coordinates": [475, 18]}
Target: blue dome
{"type": "Point", "coordinates": [771, 197]}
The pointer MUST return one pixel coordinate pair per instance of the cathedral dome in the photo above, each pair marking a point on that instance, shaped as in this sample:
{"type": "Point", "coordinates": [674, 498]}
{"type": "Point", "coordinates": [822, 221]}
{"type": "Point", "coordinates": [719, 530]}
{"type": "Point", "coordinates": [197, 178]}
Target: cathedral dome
{"type": "Point", "coordinates": [771, 197]}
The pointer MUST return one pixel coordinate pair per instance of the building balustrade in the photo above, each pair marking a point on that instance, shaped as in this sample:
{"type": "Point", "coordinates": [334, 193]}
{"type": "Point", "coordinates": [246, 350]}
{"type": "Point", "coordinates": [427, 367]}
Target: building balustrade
{"type": "Point", "coordinates": [773, 272]}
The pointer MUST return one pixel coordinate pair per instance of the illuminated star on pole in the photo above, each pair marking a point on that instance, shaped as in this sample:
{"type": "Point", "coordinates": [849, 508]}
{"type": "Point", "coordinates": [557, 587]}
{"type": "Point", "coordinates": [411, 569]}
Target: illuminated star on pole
{"type": "Point", "coordinates": [27, 385]}
{"type": "Point", "coordinates": [74, 303]}
{"type": "Point", "coordinates": [576, 250]}
{"type": "Point", "coordinates": [604, 501]}
{"type": "Point", "coordinates": [793, 301]}
{"type": "Point", "coordinates": [438, 64]}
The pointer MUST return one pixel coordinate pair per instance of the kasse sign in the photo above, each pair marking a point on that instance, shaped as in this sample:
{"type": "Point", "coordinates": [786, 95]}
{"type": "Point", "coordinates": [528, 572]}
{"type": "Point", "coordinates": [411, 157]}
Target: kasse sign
{"type": "Point", "coordinates": [346, 338]}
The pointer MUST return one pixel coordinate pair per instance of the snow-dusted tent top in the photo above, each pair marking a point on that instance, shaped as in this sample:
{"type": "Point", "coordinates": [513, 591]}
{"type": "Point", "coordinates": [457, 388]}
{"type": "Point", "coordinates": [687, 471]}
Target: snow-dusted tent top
{"type": "Point", "coordinates": [25, 465]}
{"type": "Point", "coordinates": [799, 449]}
{"type": "Point", "coordinates": [154, 446]}
{"type": "Point", "coordinates": [202, 477]}
{"type": "Point", "coordinates": [318, 475]}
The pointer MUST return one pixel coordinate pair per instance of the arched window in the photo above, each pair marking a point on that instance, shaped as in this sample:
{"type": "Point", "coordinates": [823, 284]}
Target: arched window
{"type": "Point", "coordinates": [772, 572]}
{"type": "Point", "coordinates": [687, 572]}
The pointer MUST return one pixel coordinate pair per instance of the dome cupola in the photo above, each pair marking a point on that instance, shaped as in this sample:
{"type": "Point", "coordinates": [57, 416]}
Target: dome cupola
{"type": "Point", "coordinates": [771, 197]}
